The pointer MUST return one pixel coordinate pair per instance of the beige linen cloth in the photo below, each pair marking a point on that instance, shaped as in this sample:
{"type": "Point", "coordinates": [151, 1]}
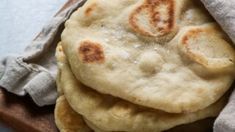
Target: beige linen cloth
{"type": "Point", "coordinates": [224, 13]}
{"type": "Point", "coordinates": [34, 72]}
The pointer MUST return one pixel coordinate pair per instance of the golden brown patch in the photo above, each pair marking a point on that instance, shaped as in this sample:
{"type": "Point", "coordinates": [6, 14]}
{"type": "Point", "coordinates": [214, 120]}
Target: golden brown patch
{"type": "Point", "coordinates": [185, 40]}
{"type": "Point", "coordinates": [191, 34]}
{"type": "Point", "coordinates": [90, 9]}
{"type": "Point", "coordinates": [162, 22]}
{"type": "Point", "coordinates": [91, 52]}
{"type": "Point", "coordinates": [133, 20]}
{"type": "Point", "coordinates": [67, 118]}
{"type": "Point", "coordinates": [167, 23]}
{"type": "Point", "coordinates": [60, 48]}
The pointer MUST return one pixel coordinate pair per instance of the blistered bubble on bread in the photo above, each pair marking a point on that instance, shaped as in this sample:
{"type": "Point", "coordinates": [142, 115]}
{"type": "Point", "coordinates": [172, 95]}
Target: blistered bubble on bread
{"type": "Point", "coordinates": [150, 62]}
{"type": "Point", "coordinates": [154, 18]}
{"type": "Point", "coordinates": [203, 45]}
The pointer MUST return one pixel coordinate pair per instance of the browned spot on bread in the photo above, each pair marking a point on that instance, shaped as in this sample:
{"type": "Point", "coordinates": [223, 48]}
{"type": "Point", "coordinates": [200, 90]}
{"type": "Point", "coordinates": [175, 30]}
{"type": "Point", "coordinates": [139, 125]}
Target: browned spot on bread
{"type": "Point", "coordinates": [191, 34]}
{"type": "Point", "coordinates": [159, 13]}
{"type": "Point", "coordinates": [185, 40]}
{"type": "Point", "coordinates": [90, 9]}
{"type": "Point", "coordinates": [134, 21]}
{"type": "Point", "coordinates": [156, 18]}
{"type": "Point", "coordinates": [208, 48]}
{"type": "Point", "coordinates": [91, 52]}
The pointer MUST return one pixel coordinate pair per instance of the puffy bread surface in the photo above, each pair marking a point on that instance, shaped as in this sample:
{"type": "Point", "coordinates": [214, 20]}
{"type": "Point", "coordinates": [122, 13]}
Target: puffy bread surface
{"type": "Point", "coordinates": [164, 54]}
{"type": "Point", "coordinates": [114, 114]}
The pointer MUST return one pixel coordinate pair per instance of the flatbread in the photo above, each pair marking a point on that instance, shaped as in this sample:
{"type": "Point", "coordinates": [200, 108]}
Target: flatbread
{"type": "Point", "coordinates": [114, 114]}
{"type": "Point", "coordinates": [66, 119]}
{"type": "Point", "coordinates": [164, 54]}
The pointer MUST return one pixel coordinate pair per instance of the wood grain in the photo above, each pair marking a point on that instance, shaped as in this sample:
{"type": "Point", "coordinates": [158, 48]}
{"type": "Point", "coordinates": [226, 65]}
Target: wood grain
{"type": "Point", "coordinates": [21, 114]}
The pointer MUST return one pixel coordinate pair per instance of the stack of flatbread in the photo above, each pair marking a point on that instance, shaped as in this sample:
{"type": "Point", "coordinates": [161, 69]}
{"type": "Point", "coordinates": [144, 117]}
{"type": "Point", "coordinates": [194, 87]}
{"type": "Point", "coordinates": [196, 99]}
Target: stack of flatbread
{"type": "Point", "coordinates": [141, 66]}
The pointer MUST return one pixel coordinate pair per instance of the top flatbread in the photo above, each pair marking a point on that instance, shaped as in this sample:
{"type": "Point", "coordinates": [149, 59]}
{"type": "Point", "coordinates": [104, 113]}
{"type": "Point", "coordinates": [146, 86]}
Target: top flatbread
{"type": "Point", "coordinates": [164, 54]}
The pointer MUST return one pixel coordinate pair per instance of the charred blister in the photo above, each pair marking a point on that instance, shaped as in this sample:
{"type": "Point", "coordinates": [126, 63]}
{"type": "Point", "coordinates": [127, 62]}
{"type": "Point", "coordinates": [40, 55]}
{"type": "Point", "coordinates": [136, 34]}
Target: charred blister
{"type": "Point", "coordinates": [192, 34]}
{"type": "Point", "coordinates": [205, 46]}
{"type": "Point", "coordinates": [153, 18]}
{"type": "Point", "coordinates": [91, 52]}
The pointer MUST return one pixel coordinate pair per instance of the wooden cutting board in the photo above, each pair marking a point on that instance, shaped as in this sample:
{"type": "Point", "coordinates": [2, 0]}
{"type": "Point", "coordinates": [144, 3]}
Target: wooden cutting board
{"type": "Point", "coordinates": [21, 114]}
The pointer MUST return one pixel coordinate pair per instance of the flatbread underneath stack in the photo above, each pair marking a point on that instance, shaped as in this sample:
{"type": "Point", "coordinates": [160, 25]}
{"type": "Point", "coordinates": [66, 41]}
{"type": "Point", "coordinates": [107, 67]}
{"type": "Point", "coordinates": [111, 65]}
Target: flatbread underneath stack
{"type": "Point", "coordinates": [78, 125]}
{"type": "Point", "coordinates": [68, 120]}
{"type": "Point", "coordinates": [113, 114]}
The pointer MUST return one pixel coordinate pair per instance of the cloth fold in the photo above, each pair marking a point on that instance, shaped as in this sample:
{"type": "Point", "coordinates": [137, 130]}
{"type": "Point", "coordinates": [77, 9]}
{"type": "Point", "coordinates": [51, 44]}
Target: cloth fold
{"type": "Point", "coordinates": [224, 13]}
{"type": "Point", "coordinates": [34, 72]}
{"type": "Point", "coordinates": [225, 122]}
